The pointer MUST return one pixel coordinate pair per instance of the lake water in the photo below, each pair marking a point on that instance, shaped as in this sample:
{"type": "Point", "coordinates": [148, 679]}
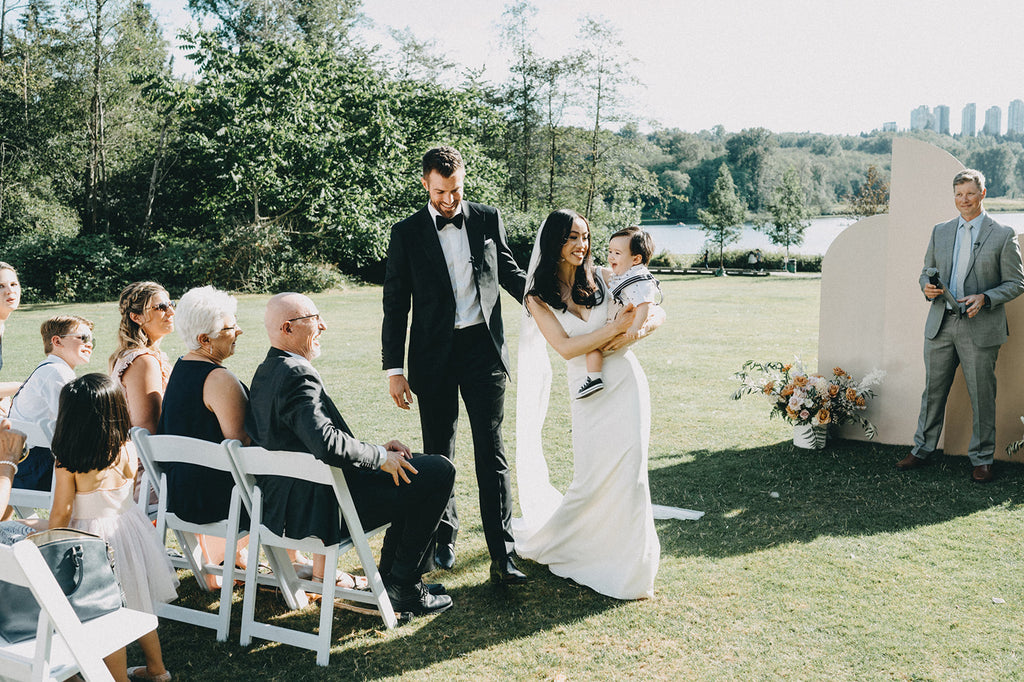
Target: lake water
{"type": "Point", "coordinates": [686, 239]}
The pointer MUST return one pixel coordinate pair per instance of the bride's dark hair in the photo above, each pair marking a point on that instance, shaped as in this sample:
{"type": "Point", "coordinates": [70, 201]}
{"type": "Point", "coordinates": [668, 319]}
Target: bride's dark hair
{"type": "Point", "coordinates": [554, 234]}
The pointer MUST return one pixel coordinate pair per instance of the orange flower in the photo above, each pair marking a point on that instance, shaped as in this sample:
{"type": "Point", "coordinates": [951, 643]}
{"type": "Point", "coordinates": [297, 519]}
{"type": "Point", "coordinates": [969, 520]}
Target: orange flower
{"type": "Point", "coordinates": [838, 371]}
{"type": "Point", "coordinates": [833, 390]}
{"type": "Point", "coordinates": [800, 380]}
{"type": "Point", "coordinates": [824, 416]}
{"type": "Point", "coordinates": [851, 394]}
{"type": "Point", "coordinates": [787, 391]}
{"type": "Point", "coordinates": [768, 387]}
{"type": "Point", "coordinates": [786, 368]}
{"type": "Point", "coordinates": [860, 401]}
{"type": "Point", "coordinates": [791, 413]}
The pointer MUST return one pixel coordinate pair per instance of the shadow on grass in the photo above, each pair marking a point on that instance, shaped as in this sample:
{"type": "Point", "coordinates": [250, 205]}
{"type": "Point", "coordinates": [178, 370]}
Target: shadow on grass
{"type": "Point", "coordinates": [482, 617]}
{"type": "Point", "coordinates": [850, 488]}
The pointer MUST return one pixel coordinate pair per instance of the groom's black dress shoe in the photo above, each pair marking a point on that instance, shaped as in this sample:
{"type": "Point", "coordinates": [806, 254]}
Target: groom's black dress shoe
{"type": "Point", "coordinates": [444, 556]}
{"type": "Point", "coordinates": [417, 599]}
{"type": "Point", "coordinates": [504, 572]}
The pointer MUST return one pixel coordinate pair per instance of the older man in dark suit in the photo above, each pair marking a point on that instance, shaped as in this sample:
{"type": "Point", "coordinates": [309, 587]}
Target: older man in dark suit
{"type": "Point", "coordinates": [979, 260]}
{"type": "Point", "coordinates": [289, 409]}
{"type": "Point", "coordinates": [446, 262]}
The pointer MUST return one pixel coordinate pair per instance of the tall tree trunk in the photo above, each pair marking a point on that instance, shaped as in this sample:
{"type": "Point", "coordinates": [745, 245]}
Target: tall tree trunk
{"type": "Point", "coordinates": [594, 140]}
{"type": "Point", "coordinates": [96, 171]}
{"type": "Point", "coordinates": [147, 221]}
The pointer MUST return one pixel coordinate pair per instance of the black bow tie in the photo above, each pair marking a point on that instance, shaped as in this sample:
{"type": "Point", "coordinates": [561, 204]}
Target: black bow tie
{"type": "Point", "coordinates": [455, 220]}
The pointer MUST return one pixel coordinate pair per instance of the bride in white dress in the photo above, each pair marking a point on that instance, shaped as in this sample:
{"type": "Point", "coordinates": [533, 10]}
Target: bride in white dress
{"type": "Point", "coordinates": [600, 533]}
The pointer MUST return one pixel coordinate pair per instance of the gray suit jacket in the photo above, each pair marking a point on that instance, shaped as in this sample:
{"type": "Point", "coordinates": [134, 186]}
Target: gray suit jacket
{"type": "Point", "coordinates": [994, 270]}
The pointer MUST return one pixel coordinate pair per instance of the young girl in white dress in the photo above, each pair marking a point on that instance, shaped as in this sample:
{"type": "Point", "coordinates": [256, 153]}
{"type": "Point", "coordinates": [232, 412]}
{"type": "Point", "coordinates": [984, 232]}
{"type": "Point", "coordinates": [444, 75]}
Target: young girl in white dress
{"type": "Point", "coordinates": [96, 466]}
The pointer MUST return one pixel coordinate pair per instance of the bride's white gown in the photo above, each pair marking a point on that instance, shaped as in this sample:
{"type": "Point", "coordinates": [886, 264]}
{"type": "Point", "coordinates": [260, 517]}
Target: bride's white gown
{"type": "Point", "coordinates": [601, 532]}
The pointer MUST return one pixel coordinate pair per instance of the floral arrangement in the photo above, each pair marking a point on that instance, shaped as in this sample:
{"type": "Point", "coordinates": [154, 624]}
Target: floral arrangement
{"type": "Point", "coordinates": [802, 398]}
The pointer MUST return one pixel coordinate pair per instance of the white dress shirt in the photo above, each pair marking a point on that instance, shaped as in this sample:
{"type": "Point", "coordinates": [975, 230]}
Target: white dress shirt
{"type": "Point", "coordinates": [39, 396]}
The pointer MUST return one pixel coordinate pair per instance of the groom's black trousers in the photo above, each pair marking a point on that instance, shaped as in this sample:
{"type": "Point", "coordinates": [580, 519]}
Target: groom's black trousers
{"type": "Point", "coordinates": [474, 369]}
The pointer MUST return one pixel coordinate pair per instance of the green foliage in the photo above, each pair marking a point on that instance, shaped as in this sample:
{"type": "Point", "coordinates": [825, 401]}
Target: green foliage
{"type": "Point", "coordinates": [54, 267]}
{"type": "Point", "coordinates": [724, 216]}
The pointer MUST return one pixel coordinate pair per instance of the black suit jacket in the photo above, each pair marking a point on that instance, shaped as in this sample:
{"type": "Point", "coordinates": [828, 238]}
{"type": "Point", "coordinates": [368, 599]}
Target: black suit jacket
{"type": "Point", "coordinates": [417, 276]}
{"type": "Point", "coordinates": [289, 410]}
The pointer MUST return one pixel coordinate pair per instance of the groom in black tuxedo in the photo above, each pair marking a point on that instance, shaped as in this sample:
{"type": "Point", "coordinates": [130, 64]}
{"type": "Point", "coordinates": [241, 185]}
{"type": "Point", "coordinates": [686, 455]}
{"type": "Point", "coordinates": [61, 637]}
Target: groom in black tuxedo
{"type": "Point", "coordinates": [445, 262]}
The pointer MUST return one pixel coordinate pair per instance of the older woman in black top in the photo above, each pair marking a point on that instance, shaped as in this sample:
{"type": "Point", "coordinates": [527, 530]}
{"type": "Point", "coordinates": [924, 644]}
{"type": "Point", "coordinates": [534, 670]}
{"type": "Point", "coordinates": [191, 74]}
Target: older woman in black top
{"type": "Point", "coordinates": [204, 400]}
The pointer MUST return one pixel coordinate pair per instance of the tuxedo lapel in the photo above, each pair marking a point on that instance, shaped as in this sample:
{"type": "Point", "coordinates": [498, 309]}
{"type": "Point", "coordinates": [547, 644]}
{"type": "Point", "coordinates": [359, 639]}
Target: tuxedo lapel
{"type": "Point", "coordinates": [430, 245]}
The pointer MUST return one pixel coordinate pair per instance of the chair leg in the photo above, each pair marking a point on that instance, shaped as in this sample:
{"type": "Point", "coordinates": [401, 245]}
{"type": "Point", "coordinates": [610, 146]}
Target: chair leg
{"type": "Point", "coordinates": [249, 599]}
{"type": "Point", "coordinates": [323, 650]}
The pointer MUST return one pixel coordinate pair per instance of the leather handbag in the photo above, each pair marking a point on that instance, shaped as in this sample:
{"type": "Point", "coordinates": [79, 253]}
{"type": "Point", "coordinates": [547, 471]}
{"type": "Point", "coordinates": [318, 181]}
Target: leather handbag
{"type": "Point", "coordinates": [83, 565]}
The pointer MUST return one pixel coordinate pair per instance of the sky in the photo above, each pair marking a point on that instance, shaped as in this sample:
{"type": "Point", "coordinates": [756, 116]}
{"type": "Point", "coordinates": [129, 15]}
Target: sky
{"type": "Point", "coordinates": [830, 66]}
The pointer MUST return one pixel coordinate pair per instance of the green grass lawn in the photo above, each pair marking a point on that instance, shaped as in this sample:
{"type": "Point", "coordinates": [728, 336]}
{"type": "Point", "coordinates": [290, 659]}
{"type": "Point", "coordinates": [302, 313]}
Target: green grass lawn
{"type": "Point", "coordinates": [854, 571]}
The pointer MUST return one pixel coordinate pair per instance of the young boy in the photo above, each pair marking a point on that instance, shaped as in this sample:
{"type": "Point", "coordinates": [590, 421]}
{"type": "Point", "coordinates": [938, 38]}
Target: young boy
{"type": "Point", "coordinates": [629, 252]}
{"type": "Point", "coordinates": [67, 342]}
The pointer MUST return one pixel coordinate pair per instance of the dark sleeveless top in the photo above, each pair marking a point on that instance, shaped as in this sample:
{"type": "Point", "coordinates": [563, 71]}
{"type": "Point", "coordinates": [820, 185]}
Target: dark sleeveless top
{"type": "Point", "coordinates": [195, 493]}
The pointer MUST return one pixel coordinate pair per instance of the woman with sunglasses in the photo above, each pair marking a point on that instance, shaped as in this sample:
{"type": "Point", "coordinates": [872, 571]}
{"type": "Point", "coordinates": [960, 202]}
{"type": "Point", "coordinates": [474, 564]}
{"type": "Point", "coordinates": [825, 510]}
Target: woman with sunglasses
{"type": "Point", "coordinates": [67, 343]}
{"type": "Point", "coordinates": [138, 365]}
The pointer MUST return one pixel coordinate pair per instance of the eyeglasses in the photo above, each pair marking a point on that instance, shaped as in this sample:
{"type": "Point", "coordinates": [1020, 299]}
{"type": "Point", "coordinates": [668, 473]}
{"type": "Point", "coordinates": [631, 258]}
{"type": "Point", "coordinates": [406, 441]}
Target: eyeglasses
{"type": "Point", "coordinates": [305, 317]}
{"type": "Point", "coordinates": [163, 307]}
{"type": "Point", "coordinates": [84, 338]}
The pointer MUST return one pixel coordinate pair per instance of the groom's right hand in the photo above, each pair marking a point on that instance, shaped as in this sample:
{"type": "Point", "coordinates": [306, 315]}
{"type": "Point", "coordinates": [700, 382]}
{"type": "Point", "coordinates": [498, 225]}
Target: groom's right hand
{"type": "Point", "coordinates": [400, 392]}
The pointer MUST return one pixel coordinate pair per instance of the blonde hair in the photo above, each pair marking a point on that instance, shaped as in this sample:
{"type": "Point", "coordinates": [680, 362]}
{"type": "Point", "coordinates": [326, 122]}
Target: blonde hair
{"type": "Point", "coordinates": [134, 299]}
{"type": "Point", "coordinates": [60, 325]}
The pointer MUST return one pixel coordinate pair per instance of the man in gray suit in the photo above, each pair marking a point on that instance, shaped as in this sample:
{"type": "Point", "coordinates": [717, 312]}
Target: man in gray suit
{"type": "Point", "coordinates": [980, 261]}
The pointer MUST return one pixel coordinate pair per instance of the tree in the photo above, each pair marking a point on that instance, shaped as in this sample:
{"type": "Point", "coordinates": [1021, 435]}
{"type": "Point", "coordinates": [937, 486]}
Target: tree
{"type": "Point", "coordinates": [872, 197]}
{"type": "Point", "coordinates": [605, 73]}
{"type": "Point", "coordinates": [724, 216]}
{"type": "Point", "coordinates": [788, 213]}
{"type": "Point", "coordinates": [749, 153]}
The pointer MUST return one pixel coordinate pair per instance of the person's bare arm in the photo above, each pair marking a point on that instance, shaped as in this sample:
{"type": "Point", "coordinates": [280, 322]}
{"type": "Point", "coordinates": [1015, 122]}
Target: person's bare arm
{"type": "Point", "coordinates": [571, 346]}
{"type": "Point", "coordinates": [63, 498]}
{"type": "Point", "coordinates": [144, 390]}
{"type": "Point", "coordinates": [224, 396]}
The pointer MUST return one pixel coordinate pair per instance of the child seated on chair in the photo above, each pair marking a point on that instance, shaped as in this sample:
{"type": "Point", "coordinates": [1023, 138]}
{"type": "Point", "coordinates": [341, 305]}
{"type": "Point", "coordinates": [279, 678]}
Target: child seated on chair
{"type": "Point", "coordinates": [629, 252]}
{"type": "Point", "coordinates": [67, 342]}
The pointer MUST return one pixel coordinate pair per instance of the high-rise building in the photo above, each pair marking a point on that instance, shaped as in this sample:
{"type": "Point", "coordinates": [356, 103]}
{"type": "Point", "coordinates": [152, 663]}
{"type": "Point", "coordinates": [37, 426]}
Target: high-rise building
{"type": "Point", "coordinates": [968, 125]}
{"type": "Point", "coordinates": [921, 118]}
{"type": "Point", "coordinates": [889, 127]}
{"type": "Point", "coordinates": [993, 121]}
{"type": "Point", "coordinates": [942, 119]}
{"type": "Point", "coordinates": [1015, 117]}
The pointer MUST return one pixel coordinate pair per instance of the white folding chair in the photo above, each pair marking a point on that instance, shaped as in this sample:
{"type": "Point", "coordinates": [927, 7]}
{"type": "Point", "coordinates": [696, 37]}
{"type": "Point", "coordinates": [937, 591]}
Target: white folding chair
{"type": "Point", "coordinates": [25, 502]}
{"type": "Point", "coordinates": [156, 451]}
{"type": "Point", "coordinates": [250, 462]}
{"type": "Point", "coordinates": [63, 645]}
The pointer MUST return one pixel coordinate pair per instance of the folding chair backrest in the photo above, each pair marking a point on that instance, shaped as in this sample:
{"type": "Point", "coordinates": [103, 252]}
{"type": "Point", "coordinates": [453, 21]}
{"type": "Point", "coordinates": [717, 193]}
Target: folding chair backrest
{"type": "Point", "coordinates": [252, 461]}
{"type": "Point", "coordinates": [77, 646]}
{"type": "Point", "coordinates": [39, 434]}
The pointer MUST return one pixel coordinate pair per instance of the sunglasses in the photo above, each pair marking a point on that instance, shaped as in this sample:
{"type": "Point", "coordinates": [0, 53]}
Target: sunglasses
{"type": "Point", "coordinates": [84, 338]}
{"type": "Point", "coordinates": [163, 307]}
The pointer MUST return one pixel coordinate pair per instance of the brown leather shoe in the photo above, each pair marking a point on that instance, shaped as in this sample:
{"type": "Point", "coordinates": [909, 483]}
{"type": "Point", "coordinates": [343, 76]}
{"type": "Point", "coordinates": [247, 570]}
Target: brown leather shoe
{"type": "Point", "coordinates": [909, 462]}
{"type": "Point", "coordinates": [982, 473]}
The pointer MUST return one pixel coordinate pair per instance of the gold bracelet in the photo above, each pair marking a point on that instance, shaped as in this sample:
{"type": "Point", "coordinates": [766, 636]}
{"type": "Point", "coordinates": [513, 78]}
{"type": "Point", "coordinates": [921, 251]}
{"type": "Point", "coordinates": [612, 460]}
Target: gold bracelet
{"type": "Point", "coordinates": [24, 452]}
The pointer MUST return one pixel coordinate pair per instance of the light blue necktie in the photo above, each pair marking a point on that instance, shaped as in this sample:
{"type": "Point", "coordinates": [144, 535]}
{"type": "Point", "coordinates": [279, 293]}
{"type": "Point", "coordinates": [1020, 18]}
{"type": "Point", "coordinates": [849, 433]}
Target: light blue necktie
{"type": "Point", "coordinates": [963, 257]}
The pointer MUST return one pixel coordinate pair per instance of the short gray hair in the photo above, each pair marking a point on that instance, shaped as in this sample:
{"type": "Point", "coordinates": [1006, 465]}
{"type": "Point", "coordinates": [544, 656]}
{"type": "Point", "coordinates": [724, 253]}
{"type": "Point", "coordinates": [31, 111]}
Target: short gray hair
{"type": "Point", "coordinates": [202, 311]}
{"type": "Point", "coordinates": [970, 175]}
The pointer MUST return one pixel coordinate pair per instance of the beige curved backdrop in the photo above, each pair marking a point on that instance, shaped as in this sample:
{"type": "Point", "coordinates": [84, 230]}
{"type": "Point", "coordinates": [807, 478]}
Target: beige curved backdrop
{"type": "Point", "coordinates": [873, 312]}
